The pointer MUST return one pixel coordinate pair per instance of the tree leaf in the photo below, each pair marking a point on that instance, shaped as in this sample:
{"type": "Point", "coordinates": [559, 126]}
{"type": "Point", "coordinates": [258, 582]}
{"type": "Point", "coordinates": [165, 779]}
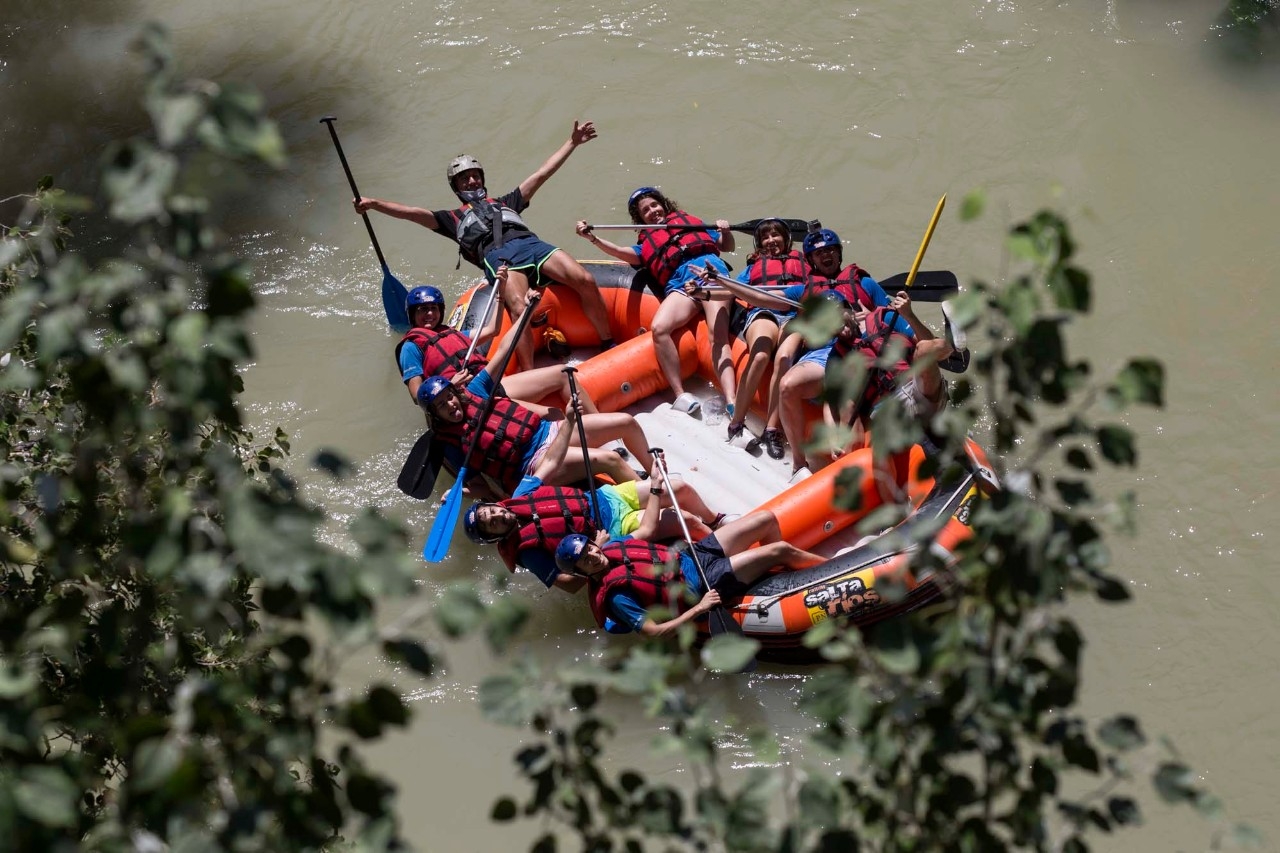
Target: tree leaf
{"type": "Point", "coordinates": [1121, 732]}
{"type": "Point", "coordinates": [47, 796]}
{"type": "Point", "coordinates": [729, 652]}
{"type": "Point", "coordinates": [1117, 445]}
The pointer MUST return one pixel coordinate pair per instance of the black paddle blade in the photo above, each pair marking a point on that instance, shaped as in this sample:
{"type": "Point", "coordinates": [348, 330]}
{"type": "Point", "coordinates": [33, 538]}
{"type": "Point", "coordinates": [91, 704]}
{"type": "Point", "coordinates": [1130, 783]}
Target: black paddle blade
{"type": "Point", "coordinates": [418, 474]}
{"type": "Point", "coordinates": [798, 227]}
{"type": "Point", "coordinates": [930, 285]}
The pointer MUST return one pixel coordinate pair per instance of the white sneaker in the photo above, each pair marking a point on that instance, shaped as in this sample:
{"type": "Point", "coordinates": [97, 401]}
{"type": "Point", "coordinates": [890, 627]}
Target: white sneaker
{"type": "Point", "coordinates": [800, 475]}
{"type": "Point", "coordinates": [954, 332]}
{"type": "Point", "coordinates": [688, 404]}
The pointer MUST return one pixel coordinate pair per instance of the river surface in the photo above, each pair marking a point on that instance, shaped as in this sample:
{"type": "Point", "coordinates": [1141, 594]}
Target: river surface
{"type": "Point", "coordinates": [1121, 114]}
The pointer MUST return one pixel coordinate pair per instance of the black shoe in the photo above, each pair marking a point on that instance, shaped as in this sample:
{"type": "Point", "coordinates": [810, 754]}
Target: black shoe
{"type": "Point", "coordinates": [772, 440]}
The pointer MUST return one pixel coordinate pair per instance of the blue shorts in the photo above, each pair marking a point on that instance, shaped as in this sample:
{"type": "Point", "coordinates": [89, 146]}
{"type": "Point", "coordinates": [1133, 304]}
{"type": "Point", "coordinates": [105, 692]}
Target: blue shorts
{"type": "Point", "coordinates": [717, 568]}
{"type": "Point", "coordinates": [688, 271]}
{"type": "Point", "coordinates": [524, 252]}
{"type": "Point", "coordinates": [743, 320]}
{"type": "Point", "coordinates": [816, 356]}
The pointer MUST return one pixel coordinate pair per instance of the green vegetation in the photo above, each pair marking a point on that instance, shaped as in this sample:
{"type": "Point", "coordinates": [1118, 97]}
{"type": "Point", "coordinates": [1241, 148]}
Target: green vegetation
{"type": "Point", "coordinates": [161, 681]}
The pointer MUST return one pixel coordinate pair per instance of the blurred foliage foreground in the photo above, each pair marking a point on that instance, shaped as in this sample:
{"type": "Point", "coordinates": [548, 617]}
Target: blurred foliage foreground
{"type": "Point", "coordinates": [161, 686]}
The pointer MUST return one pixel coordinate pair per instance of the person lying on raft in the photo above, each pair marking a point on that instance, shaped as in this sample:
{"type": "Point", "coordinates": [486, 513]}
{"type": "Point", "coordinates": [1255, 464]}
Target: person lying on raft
{"type": "Point", "coordinates": [533, 263]}
{"type": "Point", "coordinates": [671, 256]}
{"type": "Point", "coordinates": [430, 348]}
{"type": "Point", "coordinates": [513, 439]}
{"type": "Point", "coordinates": [627, 576]}
{"type": "Point", "coordinates": [866, 336]}
{"type": "Point", "coordinates": [529, 525]}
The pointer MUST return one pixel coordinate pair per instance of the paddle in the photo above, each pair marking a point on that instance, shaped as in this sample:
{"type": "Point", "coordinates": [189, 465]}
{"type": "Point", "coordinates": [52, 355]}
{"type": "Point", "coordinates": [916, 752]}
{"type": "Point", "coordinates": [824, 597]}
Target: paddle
{"type": "Point", "coordinates": [418, 475]}
{"type": "Point", "coordinates": [892, 314]}
{"type": "Point", "coordinates": [436, 547]}
{"type": "Point", "coordinates": [582, 439]}
{"type": "Point", "coordinates": [393, 292]}
{"type": "Point", "coordinates": [929, 286]}
{"type": "Point", "coordinates": [718, 621]}
{"type": "Point", "coordinates": [798, 227]}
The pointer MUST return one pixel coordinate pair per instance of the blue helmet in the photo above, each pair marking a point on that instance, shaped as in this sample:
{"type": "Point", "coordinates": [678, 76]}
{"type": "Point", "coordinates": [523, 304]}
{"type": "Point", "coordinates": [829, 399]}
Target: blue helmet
{"type": "Point", "coordinates": [633, 201]}
{"type": "Point", "coordinates": [471, 524]}
{"type": "Point", "coordinates": [569, 550]}
{"type": "Point", "coordinates": [425, 295]}
{"type": "Point", "coordinates": [429, 390]}
{"type": "Point", "coordinates": [821, 239]}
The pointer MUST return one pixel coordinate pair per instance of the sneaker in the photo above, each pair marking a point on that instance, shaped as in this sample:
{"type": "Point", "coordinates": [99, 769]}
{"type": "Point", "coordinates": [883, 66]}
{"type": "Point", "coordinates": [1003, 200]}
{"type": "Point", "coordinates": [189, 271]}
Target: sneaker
{"type": "Point", "coordinates": [957, 362]}
{"type": "Point", "coordinates": [734, 431]}
{"type": "Point", "coordinates": [955, 334]}
{"type": "Point", "coordinates": [800, 475]}
{"type": "Point", "coordinates": [688, 404]}
{"type": "Point", "coordinates": [772, 440]}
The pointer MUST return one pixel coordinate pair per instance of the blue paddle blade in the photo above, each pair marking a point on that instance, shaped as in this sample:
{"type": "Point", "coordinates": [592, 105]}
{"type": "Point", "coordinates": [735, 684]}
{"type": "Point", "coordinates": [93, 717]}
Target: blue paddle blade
{"type": "Point", "coordinates": [393, 295]}
{"type": "Point", "coordinates": [437, 545]}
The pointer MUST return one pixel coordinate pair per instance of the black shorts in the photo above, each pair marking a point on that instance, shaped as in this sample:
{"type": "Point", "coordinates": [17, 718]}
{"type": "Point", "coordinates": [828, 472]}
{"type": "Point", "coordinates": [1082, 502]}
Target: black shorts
{"type": "Point", "coordinates": [717, 568]}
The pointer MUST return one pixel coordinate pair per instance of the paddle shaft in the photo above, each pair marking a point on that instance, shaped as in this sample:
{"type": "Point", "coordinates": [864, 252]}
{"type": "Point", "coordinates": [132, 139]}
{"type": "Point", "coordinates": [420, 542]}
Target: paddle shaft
{"type": "Point", "coordinates": [717, 618]}
{"type": "Point", "coordinates": [798, 227]}
{"type": "Point", "coordinates": [569, 371]}
{"type": "Point", "coordinates": [499, 240]}
{"type": "Point", "coordinates": [722, 277]}
{"type": "Point", "coordinates": [328, 121]}
{"type": "Point", "coordinates": [437, 545]}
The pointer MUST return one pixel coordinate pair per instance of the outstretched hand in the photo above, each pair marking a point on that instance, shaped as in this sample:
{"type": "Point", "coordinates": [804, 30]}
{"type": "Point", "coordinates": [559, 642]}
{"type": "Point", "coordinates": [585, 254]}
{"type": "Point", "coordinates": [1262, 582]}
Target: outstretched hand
{"type": "Point", "coordinates": [709, 602]}
{"type": "Point", "coordinates": [362, 204]}
{"type": "Point", "coordinates": [583, 228]}
{"type": "Point", "coordinates": [582, 132]}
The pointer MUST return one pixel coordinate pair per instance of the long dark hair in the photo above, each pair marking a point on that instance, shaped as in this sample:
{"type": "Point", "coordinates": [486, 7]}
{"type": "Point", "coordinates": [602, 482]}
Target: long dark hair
{"type": "Point", "coordinates": [633, 206]}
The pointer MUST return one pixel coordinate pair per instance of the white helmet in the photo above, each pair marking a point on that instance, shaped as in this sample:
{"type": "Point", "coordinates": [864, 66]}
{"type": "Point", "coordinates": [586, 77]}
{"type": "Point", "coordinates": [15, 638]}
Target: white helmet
{"type": "Point", "coordinates": [460, 164]}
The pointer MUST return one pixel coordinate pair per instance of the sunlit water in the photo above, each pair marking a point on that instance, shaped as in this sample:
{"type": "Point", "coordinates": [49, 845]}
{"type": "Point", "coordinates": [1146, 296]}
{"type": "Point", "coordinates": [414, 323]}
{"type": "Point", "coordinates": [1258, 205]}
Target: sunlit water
{"type": "Point", "coordinates": [1118, 114]}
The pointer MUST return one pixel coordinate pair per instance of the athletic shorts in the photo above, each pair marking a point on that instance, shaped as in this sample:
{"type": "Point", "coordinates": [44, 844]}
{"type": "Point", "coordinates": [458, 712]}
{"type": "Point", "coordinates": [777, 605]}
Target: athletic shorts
{"type": "Point", "coordinates": [533, 455]}
{"type": "Point", "coordinates": [717, 567]}
{"type": "Point", "coordinates": [624, 504]}
{"type": "Point", "coordinates": [688, 271]}
{"type": "Point", "coordinates": [525, 253]}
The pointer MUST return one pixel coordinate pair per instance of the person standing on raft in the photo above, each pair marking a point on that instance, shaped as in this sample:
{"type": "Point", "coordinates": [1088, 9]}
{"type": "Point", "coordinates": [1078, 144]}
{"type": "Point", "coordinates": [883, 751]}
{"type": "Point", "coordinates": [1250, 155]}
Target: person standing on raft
{"type": "Point", "coordinates": [532, 262]}
{"type": "Point", "coordinates": [671, 257]}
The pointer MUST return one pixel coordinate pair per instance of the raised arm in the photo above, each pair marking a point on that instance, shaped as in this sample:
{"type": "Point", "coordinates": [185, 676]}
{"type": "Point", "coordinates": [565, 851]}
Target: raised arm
{"type": "Point", "coordinates": [902, 304]}
{"type": "Point", "coordinates": [725, 242]}
{"type": "Point", "coordinates": [559, 445]}
{"type": "Point", "coordinates": [622, 253]}
{"type": "Point", "coordinates": [581, 133]}
{"type": "Point", "coordinates": [398, 211]}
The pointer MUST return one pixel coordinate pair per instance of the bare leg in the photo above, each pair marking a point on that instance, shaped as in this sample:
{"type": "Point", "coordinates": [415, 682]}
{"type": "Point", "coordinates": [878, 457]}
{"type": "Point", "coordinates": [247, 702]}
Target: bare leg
{"type": "Point", "coordinates": [801, 382]}
{"type": "Point", "coordinates": [717, 314]}
{"type": "Point", "coordinates": [783, 359]}
{"type": "Point", "coordinates": [513, 299]}
{"type": "Point", "coordinates": [762, 337]}
{"type": "Point", "coordinates": [606, 426]}
{"type": "Point", "coordinates": [562, 268]}
{"type": "Point", "coordinates": [669, 526]}
{"type": "Point", "coordinates": [541, 381]}
{"type": "Point", "coordinates": [674, 313]}
{"type": "Point", "coordinates": [602, 462]}
{"type": "Point", "coordinates": [759, 526]}
{"type": "Point", "coordinates": [686, 495]}
{"type": "Point", "coordinates": [750, 566]}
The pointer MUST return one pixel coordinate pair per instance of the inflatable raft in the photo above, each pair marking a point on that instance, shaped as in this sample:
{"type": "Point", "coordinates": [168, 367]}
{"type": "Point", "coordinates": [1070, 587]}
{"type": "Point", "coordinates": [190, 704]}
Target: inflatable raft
{"type": "Point", "coordinates": [866, 579]}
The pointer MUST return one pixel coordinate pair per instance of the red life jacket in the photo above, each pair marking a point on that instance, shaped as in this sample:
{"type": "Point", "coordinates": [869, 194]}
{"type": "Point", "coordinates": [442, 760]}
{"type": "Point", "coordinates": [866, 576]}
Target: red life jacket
{"type": "Point", "coordinates": [663, 250]}
{"type": "Point", "coordinates": [638, 568]}
{"type": "Point", "coordinates": [544, 517]}
{"type": "Point", "coordinates": [788, 269]}
{"type": "Point", "coordinates": [443, 349]}
{"type": "Point", "coordinates": [504, 438]}
{"type": "Point", "coordinates": [881, 381]}
{"type": "Point", "coordinates": [848, 283]}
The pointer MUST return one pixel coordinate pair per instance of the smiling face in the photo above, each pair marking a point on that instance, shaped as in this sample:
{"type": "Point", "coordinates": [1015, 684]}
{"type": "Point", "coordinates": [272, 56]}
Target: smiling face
{"type": "Point", "coordinates": [826, 261]}
{"type": "Point", "coordinates": [651, 210]}
{"type": "Point", "coordinates": [471, 179]}
{"type": "Point", "coordinates": [772, 240]}
{"type": "Point", "coordinates": [427, 316]}
{"type": "Point", "coordinates": [448, 407]}
{"type": "Point", "coordinates": [592, 561]}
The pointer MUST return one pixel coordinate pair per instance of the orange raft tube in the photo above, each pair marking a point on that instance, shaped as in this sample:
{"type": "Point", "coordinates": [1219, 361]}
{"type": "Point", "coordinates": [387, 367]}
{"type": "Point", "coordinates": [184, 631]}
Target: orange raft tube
{"type": "Point", "coordinates": [864, 584]}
